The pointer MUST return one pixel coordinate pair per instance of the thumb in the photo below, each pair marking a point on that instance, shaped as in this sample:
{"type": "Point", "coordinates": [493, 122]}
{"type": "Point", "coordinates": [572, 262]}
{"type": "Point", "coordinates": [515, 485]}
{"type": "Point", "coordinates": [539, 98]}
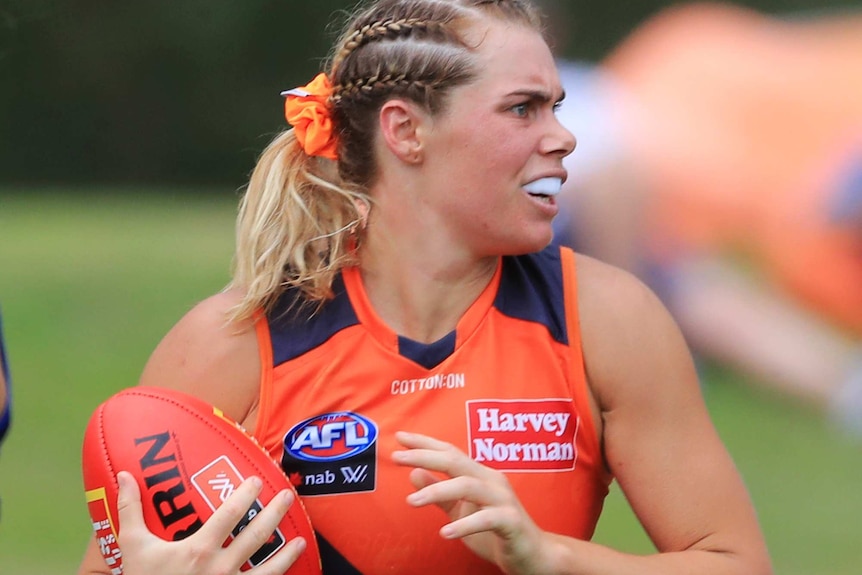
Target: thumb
{"type": "Point", "coordinates": [130, 514]}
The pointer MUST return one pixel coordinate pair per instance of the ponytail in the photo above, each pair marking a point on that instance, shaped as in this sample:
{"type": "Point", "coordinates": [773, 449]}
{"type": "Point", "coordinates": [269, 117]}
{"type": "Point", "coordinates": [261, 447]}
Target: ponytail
{"type": "Point", "coordinates": [294, 228]}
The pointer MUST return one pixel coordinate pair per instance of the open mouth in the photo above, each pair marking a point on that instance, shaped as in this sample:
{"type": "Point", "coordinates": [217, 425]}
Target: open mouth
{"type": "Point", "coordinates": [544, 188]}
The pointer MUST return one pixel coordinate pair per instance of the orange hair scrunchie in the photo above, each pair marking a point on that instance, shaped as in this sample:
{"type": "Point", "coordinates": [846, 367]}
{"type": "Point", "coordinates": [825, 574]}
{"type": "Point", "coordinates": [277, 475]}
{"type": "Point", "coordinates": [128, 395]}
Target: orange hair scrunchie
{"type": "Point", "coordinates": [307, 110]}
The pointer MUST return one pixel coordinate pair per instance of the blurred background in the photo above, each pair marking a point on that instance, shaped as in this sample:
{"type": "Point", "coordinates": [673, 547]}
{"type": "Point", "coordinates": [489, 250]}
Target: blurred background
{"type": "Point", "coordinates": [709, 135]}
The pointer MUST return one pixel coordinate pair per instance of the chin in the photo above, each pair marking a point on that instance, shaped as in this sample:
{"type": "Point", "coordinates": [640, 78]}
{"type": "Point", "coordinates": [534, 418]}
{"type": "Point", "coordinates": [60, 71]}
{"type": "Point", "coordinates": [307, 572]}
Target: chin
{"type": "Point", "coordinates": [531, 245]}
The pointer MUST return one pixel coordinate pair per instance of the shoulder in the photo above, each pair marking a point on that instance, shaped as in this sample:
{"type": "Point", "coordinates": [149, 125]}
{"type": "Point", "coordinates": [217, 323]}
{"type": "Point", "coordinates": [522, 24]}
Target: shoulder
{"type": "Point", "coordinates": [630, 340]}
{"type": "Point", "coordinates": [207, 356]}
{"type": "Point", "coordinates": [606, 288]}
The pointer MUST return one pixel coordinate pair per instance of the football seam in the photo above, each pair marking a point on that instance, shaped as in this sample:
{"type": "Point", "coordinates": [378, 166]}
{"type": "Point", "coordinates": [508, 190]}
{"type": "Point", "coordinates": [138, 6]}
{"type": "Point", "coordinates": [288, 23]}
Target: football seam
{"type": "Point", "coordinates": [108, 461]}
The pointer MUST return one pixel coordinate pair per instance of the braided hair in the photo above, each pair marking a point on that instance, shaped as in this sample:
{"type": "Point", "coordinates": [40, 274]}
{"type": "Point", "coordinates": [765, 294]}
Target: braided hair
{"type": "Point", "coordinates": [301, 216]}
{"type": "Point", "coordinates": [412, 49]}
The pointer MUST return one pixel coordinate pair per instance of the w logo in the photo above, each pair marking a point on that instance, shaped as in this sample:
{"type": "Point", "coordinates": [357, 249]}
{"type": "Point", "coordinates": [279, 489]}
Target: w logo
{"type": "Point", "coordinates": [354, 474]}
{"type": "Point", "coordinates": [222, 485]}
{"type": "Point", "coordinates": [217, 481]}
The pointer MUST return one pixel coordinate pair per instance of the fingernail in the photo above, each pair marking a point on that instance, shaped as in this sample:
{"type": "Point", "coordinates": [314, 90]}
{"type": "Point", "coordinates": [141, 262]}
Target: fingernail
{"type": "Point", "coordinates": [301, 544]}
{"type": "Point", "coordinates": [447, 532]}
{"type": "Point", "coordinates": [123, 479]}
{"type": "Point", "coordinates": [256, 481]}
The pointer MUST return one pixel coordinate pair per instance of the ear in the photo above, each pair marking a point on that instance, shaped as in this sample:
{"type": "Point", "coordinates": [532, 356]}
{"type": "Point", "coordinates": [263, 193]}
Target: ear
{"type": "Point", "coordinates": [401, 128]}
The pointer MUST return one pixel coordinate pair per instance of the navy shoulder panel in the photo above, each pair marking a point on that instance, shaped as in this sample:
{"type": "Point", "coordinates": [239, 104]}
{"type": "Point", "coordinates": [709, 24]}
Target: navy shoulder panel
{"type": "Point", "coordinates": [531, 289]}
{"type": "Point", "coordinates": [296, 329]}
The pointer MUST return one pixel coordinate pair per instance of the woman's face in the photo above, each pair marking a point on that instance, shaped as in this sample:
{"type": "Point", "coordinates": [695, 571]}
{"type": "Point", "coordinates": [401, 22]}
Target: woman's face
{"type": "Point", "coordinates": [496, 142]}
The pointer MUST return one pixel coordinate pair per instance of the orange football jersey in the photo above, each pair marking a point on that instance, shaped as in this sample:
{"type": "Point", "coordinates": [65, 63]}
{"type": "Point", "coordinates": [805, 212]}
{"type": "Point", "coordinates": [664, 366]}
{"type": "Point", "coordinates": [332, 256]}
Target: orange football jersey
{"type": "Point", "coordinates": [507, 386]}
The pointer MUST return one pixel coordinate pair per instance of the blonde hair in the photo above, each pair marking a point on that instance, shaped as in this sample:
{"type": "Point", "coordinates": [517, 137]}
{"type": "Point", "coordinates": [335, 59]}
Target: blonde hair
{"type": "Point", "coordinates": [301, 217]}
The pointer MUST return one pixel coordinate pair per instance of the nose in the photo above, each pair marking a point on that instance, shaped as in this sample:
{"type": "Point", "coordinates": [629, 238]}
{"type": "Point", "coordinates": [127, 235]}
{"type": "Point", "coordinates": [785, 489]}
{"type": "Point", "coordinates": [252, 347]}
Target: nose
{"type": "Point", "coordinates": [559, 140]}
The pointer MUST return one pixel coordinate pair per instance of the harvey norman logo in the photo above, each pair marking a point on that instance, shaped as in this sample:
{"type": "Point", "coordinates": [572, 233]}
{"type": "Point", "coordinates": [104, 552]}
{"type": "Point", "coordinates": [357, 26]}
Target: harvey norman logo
{"type": "Point", "coordinates": [523, 435]}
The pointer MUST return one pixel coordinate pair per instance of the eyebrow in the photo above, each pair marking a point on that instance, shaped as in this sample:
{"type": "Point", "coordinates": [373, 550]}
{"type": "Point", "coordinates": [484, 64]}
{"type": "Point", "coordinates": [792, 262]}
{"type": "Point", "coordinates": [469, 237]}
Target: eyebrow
{"type": "Point", "coordinates": [539, 95]}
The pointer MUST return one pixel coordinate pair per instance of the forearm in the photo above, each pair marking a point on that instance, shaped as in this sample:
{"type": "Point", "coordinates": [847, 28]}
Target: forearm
{"type": "Point", "coordinates": [570, 556]}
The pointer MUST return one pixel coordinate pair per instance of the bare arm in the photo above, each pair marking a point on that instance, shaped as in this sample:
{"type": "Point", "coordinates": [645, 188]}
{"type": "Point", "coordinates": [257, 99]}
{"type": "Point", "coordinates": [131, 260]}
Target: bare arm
{"type": "Point", "coordinates": [207, 358]}
{"type": "Point", "coordinates": [659, 441]}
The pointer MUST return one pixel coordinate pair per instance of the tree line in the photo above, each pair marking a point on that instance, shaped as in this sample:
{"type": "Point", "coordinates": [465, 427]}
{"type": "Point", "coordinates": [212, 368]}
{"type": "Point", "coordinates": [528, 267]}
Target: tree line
{"type": "Point", "coordinates": [187, 91]}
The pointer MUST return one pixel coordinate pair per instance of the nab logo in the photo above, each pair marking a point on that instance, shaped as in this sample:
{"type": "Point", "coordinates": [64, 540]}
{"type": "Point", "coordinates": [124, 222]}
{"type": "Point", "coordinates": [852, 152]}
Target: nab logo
{"type": "Point", "coordinates": [330, 437]}
{"type": "Point", "coordinates": [331, 453]}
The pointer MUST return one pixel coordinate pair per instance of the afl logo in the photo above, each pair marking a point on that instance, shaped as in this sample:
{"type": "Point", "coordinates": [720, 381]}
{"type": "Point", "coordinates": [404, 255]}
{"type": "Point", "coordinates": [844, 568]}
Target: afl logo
{"type": "Point", "coordinates": [330, 437]}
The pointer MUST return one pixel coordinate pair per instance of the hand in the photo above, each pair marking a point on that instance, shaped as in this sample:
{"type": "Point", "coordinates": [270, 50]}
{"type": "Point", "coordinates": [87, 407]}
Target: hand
{"type": "Point", "coordinates": [485, 512]}
{"type": "Point", "coordinates": [202, 553]}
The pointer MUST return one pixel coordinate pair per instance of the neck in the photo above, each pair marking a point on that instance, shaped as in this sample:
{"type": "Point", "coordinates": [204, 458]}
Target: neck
{"type": "Point", "coordinates": [420, 289]}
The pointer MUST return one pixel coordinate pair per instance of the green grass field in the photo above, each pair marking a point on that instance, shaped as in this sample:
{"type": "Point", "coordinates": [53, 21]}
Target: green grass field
{"type": "Point", "coordinates": [90, 283]}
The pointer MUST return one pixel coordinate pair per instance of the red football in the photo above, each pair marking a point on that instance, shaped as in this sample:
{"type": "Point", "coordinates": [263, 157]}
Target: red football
{"type": "Point", "coordinates": [187, 457]}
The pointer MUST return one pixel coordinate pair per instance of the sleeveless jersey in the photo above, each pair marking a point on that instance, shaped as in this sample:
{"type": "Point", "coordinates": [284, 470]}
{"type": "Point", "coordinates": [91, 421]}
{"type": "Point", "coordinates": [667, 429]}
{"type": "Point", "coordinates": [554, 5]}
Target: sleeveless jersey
{"type": "Point", "coordinates": [507, 387]}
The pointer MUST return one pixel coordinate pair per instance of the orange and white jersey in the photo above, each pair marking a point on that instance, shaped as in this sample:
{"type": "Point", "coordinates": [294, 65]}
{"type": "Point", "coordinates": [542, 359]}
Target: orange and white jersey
{"type": "Point", "coordinates": [507, 386]}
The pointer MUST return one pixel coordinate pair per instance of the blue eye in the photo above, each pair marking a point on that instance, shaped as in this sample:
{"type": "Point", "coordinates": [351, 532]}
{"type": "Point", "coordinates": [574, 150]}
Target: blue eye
{"type": "Point", "coordinates": [557, 106]}
{"type": "Point", "coordinates": [521, 109]}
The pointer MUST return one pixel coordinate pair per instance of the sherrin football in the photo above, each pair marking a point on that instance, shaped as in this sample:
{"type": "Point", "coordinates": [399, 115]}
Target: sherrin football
{"type": "Point", "coordinates": [187, 458]}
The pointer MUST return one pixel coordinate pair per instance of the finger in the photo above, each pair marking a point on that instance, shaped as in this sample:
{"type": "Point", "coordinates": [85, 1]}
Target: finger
{"type": "Point", "coordinates": [283, 560]}
{"type": "Point", "coordinates": [421, 478]}
{"type": "Point", "coordinates": [462, 488]}
{"type": "Point", "coordinates": [130, 514]}
{"type": "Point", "coordinates": [441, 457]}
{"type": "Point", "coordinates": [261, 528]}
{"type": "Point", "coordinates": [425, 451]}
{"type": "Point", "coordinates": [419, 441]}
{"type": "Point", "coordinates": [220, 525]}
{"type": "Point", "coordinates": [501, 520]}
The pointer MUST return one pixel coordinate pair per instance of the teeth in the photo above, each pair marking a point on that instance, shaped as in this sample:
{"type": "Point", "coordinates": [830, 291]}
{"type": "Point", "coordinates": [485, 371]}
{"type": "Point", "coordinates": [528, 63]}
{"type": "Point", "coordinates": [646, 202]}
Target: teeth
{"type": "Point", "coordinates": [545, 186]}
